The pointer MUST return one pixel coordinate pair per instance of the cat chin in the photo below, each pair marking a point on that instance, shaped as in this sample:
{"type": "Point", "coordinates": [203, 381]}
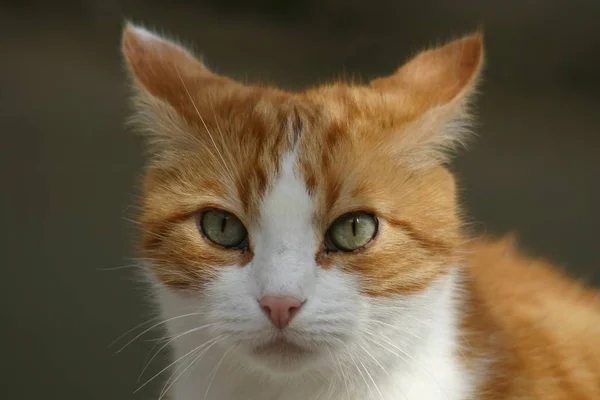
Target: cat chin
{"type": "Point", "coordinates": [283, 364]}
{"type": "Point", "coordinates": [282, 359]}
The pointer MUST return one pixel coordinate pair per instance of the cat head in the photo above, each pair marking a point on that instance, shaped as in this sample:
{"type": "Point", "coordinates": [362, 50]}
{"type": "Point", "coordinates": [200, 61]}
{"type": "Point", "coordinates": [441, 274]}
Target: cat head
{"type": "Point", "coordinates": [295, 225]}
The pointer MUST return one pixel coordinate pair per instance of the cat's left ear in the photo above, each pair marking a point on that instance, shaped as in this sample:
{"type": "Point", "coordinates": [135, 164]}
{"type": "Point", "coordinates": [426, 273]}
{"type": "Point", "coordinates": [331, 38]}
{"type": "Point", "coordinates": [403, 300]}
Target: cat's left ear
{"type": "Point", "coordinates": [434, 89]}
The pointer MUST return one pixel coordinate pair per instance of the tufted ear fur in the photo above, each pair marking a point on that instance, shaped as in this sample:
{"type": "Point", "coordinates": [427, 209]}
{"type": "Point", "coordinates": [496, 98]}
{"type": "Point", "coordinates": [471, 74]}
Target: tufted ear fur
{"type": "Point", "coordinates": [172, 88]}
{"type": "Point", "coordinates": [162, 68]}
{"type": "Point", "coordinates": [434, 89]}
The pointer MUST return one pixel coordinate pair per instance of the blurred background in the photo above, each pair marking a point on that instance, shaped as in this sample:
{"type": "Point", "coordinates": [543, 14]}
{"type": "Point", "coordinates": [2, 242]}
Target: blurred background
{"type": "Point", "coordinates": [70, 169]}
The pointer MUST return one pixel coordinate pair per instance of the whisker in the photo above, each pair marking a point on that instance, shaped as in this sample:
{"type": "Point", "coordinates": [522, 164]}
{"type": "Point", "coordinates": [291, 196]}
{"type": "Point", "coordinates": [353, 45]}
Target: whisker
{"type": "Point", "coordinates": [340, 367]}
{"type": "Point", "coordinates": [131, 221]}
{"type": "Point", "coordinates": [411, 358]}
{"type": "Point", "coordinates": [132, 329]}
{"type": "Point", "coordinates": [374, 359]}
{"type": "Point", "coordinates": [205, 126]}
{"type": "Point", "coordinates": [129, 266]}
{"type": "Point", "coordinates": [220, 132]}
{"type": "Point", "coordinates": [214, 373]}
{"type": "Point", "coordinates": [174, 362]}
{"type": "Point", "coordinates": [194, 361]}
{"type": "Point", "coordinates": [359, 370]}
{"type": "Point", "coordinates": [171, 340]}
{"type": "Point", "coordinates": [372, 380]}
{"type": "Point", "coordinates": [154, 326]}
{"type": "Point", "coordinates": [399, 329]}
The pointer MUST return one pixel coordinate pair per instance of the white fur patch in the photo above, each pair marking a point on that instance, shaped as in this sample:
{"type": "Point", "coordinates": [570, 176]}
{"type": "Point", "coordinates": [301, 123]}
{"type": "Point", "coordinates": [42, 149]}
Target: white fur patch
{"type": "Point", "coordinates": [285, 242]}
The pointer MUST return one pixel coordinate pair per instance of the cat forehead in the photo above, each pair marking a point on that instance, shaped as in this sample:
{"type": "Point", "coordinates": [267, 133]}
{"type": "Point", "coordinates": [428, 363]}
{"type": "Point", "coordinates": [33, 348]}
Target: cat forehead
{"type": "Point", "coordinates": [286, 210]}
{"type": "Point", "coordinates": [235, 146]}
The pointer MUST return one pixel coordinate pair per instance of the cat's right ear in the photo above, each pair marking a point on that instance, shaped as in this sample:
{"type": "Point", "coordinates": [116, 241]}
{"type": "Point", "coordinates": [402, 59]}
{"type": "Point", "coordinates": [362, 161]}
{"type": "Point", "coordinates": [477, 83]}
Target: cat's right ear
{"type": "Point", "coordinates": [162, 68]}
{"type": "Point", "coordinates": [172, 88]}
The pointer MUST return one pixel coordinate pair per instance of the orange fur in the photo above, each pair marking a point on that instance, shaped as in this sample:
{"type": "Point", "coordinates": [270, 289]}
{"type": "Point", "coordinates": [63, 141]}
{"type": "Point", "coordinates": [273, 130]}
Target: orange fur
{"type": "Point", "coordinates": [539, 329]}
{"type": "Point", "coordinates": [380, 148]}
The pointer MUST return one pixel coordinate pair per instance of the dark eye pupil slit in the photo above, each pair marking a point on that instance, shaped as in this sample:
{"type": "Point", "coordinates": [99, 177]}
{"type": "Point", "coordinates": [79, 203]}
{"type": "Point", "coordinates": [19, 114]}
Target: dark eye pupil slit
{"type": "Point", "coordinates": [223, 224]}
{"type": "Point", "coordinates": [354, 223]}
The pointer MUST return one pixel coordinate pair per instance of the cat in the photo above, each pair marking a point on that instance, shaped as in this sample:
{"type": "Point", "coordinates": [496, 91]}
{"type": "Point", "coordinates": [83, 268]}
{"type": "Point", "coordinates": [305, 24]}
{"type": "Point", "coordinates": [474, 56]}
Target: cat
{"type": "Point", "coordinates": [309, 245]}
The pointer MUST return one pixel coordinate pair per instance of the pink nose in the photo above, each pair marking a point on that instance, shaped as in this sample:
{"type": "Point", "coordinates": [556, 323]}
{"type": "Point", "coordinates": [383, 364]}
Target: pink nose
{"type": "Point", "coordinates": [280, 309]}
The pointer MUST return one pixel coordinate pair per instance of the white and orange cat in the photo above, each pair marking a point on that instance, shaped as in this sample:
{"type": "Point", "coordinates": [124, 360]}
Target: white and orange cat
{"type": "Point", "coordinates": [309, 245]}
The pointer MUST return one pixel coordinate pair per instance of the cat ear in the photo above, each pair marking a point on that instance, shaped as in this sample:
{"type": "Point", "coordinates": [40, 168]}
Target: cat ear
{"type": "Point", "coordinates": [160, 67]}
{"type": "Point", "coordinates": [435, 87]}
{"type": "Point", "coordinates": [172, 89]}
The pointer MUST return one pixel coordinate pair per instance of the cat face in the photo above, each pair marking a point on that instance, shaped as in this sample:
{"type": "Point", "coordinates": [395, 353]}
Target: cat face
{"type": "Point", "coordinates": [299, 225]}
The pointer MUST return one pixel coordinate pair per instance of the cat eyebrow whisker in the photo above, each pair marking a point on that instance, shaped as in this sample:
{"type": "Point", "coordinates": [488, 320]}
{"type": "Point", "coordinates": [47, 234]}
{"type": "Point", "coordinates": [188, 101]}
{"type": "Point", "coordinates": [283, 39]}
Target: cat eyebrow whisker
{"type": "Point", "coordinates": [220, 132]}
{"type": "Point", "coordinates": [205, 126]}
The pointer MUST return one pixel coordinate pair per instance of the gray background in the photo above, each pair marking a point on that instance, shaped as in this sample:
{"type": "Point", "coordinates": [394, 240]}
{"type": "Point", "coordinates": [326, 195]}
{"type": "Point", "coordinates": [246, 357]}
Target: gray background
{"type": "Point", "coordinates": [69, 168]}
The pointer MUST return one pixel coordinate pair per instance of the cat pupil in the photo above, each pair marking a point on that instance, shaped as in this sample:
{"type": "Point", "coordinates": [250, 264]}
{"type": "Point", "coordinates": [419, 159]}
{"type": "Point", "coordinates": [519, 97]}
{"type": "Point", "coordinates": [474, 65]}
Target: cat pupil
{"type": "Point", "coordinates": [354, 223]}
{"type": "Point", "coordinates": [223, 223]}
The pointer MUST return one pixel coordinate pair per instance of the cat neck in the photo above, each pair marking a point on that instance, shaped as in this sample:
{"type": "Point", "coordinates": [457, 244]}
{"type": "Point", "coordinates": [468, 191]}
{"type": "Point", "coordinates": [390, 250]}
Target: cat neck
{"type": "Point", "coordinates": [430, 367]}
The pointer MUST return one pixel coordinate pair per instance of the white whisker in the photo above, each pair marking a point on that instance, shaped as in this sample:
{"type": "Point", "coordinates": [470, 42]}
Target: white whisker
{"type": "Point", "coordinates": [359, 370]}
{"type": "Point", "coordinates": [154, 326]}
{"type": "Point", "coordinates": [220, 132]}
{"type": "Point", "coordinates": [340, 367]}
{"type": "Point", "coordinates": [175, 362]}
{"type": "Point", "coordinates": [171, 340]}
{"type": "Point", "coordinates": [130, 266]}
{"type": "Point", "coordinates": [214, 341]}
{"type": "Point", "coordinates": [215, 370]}
{"type": "Point", "coordinates": [372, 380]}
{"type": "Point", "coordinates": [205, 126]}
{"type": "Point", "coordinates": [133, 329]}
{"type": "Point", "coordinates": [408, 356]}
{"type": "Point", "coordinates": [374, 359]}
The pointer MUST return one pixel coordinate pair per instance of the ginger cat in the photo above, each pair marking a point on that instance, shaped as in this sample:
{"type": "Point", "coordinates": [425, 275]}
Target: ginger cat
{"type": "Point", "coordinates": [309, 245]}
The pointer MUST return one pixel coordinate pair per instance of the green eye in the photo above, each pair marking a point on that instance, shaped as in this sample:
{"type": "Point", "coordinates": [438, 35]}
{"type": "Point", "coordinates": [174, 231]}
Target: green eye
{"type": "Point", "coordinates": [223, 228]}
{"type": "Point", "coordinates": [352, 231]}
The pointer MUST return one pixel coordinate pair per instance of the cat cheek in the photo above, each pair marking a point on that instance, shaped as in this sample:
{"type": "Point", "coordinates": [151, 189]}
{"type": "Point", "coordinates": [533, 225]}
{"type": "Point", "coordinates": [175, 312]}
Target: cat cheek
{"type": "Point", "coordinates": [185, 270]}
{"type": "Point", "coordinates": [387, 274]}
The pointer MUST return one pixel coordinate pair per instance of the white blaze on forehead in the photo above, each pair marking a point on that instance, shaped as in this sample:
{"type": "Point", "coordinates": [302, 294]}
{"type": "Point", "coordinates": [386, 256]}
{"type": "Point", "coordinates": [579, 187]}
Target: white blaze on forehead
{"type": "Point", "coordinates": [285, 242]}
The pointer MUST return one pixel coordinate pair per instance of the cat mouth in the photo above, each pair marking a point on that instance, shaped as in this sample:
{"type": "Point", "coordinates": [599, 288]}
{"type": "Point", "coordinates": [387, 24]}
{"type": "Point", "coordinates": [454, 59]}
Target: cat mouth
{"type": "Point", "coordinates": [283, 356]}
{"type": "Point", "coordinates": [281, 346]}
